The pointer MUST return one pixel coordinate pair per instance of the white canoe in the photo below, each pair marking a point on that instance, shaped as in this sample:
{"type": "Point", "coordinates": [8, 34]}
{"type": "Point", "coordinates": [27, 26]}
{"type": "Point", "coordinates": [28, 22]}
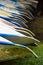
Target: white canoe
{"type": "Point", "coordinates": [11, 34]}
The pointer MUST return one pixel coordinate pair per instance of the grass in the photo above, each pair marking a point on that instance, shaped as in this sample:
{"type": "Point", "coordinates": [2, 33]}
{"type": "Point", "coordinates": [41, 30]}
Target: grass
{"type": "Point", "coordinates": [21, 56]}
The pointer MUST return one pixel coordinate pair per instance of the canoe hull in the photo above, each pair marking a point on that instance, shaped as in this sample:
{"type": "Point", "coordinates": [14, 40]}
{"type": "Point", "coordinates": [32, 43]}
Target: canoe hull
{"type": "Point", "coordinates": [22, 40]}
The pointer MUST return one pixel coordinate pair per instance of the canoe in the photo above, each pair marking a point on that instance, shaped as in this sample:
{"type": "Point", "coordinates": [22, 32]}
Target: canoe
{"type": "Point", "coordinates": [4, 13]}
{"type": "Point", "coordinates": [4, 41]}
{"type": "Point", "coordinates": [10, 33]}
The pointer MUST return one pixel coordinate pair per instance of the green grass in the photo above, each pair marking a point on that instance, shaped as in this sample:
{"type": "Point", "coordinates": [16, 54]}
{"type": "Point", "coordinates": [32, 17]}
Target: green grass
{"type": "Point", "coordinates": [21, 56]}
